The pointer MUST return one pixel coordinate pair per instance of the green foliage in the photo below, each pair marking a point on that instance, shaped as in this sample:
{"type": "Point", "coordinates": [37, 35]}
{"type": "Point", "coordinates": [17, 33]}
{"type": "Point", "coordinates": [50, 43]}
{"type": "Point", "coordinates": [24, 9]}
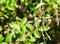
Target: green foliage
{"type": "Point", "coordinates": [16, 14]}
{"type": "Point", "coordinates": [0, 28]}
{"type": "Point", "coordinates": [8, 38]}
{"type": "Point", "coordinates": [1, 38]}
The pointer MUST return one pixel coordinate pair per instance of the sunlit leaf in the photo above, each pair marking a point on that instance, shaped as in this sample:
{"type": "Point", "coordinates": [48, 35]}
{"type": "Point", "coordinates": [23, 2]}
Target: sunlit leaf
{"type": "Point", "coordinates": [39, 5]}
{"type": "Point", "coordinates": [21, 37]}
{"type": "Point", "coordinates": [30, 26]}
{"type": "Point", "coordinates": [47, 28]}
{"type": "Point", "coordinates": [55, 6]}
{"type": "Point", "coordinates": [23, 28]}
{"type": "Point", "coordinates": [42, 43]}
{"type": "Point", "coordinates": [37, 34]}
{"type": "Point", "coordinates": [22, 1]}
{"type": "Point", "coordinates": [4, 43]}
{"type": "Point", "coordinates": [10, 7]}
{"type": "Point", "coordinates": [14, 26]}
{"type": "Point", "coordinates": [1, 38]}
{"type": "Point", "coordinates": [32, 39]}
{"type": "Point", "coordinates": [23, 21]}
{"type": "Point", "coordinates": [8, 38]}
{"type": "Point", "coordinates": [41, 29]}
{"type": "Point", "coordinates": [58, 1]}
{"type": "Point", "coordinates": [7, 1]}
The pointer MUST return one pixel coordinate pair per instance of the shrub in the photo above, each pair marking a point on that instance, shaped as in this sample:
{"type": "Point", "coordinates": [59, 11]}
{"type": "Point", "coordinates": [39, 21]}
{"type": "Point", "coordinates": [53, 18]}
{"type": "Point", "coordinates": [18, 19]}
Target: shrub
{"type": "Point", "coordinates": [27, 21]}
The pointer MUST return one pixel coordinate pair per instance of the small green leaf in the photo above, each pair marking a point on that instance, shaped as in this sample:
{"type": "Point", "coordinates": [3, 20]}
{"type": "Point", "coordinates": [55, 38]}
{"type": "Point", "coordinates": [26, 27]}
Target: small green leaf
{"type": "Point", "coordinates": [53, 1]}
{"type": "Point", "coordinates": [7, 2]}
{"type": "Point", "coordinates": [3, 1]}
{"type": "Point", "coordinates": [42, 43]}
{"type": "Point", "coordinates": [23, 28]}
{"type": "Point", "coordinates": [39, 5]}
{"type": "Point", "coordinates": [1, 38]}
{"type": "Point", "coordinates": [32, 39]}
{"type": "Point", "coordinates": [30, 26]}
{"type": "Point", "coordinates": [12, 2]}
{"type": "Point", "coordinates": [47, 1]}
{"type": "Point", "coordinates": [23, 21]}
{"type": "Point", "coordinates": [37, 34]}
{"type": "Point", "coordinates": [55, 6]}
{"type": "Point", "coordinates": [0, 28]}
{"type": "Point", "coordinates": [4, 43]}
{"type": "Point", "coordinates": [8, 37]}
{"type": "Point", "coordinates": [37, 22]}
{"type": "Point", "coordinates": [6, 16]}
{"type": "Point", "coordinates": [22, 1]}
{"type": "Point", "coordinates": [26, 2]}
{"type": "Point", "coordinates": [21, 37]}
{"type": "Point", "coordinates": [41, 28]}
{"type": "Point", "coordinates": [14, 26]}
{"type": "Point", "coordinates": [58, 1]}
{"type": "Point", "coordinates": [28, 43]}
{"type": "Point", "coordinates": [46, 28]}
{"type": "Point", "coordinates": [32, 7]}
{"type": "Point", "coordinates": [10, 7]}
{"type": "Point", "coordinates": [3, 8]}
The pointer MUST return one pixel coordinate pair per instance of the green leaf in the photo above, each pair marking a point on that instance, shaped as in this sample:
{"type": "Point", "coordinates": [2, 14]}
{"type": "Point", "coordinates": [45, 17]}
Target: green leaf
{"type": "Point", "coordinates": [53, 1]}
{"type": "Point", "coordinates": [7, 1]}
{"type": "Point", "coordinates": [3, 1]}
{"type": "Point", "coordinates": [22, 1]}
{"type": "Point", "coordinates": [46, 28]}
{"type": "Point", "coordinates": [39, 5]}
{"type": "Point", "coordinates": [32, 7]}
{"type": "Point", "coordinates": [41, 28]}
{"type": "Point", "coordinates": [37, 22]}
{"type": "Point", "coordinates": [23, 28]}
{"type": "Point", "coordinates": [21, 37]}
{"type": "Point", "coordinates": [13, 2]}
{"type": "Point", "coordinates": [0, 28]}
{"type": "Point", "coordinates": [47, 1]}
{"type": "Point", "coordinates": [37, 34]}
{"type": "Point", "coordinates": [58, 2]}
{"type": "Point", "coordinates": [32, 39]}
{"type": "Point", "coordinates": [11, 7]}
{"type": "Point", "coordinates": [2, 8]}
{"type": "Point", "coordinates": [1, 38]}
{"type": "Point", "coordinates": [26, 2]}
{"type": "Point", "coordinates": [28, 43]}
{"type": "Point", "coordinates": [55, 6]}
{"type": "Point", "coordinates": [42, 43]}
{"type": "Point", "coordinates": [4, 43]}
{"type": "Point", "coordinates": [6, 16]}
{"type": "Point", "coordinates": [30, 26]}
{"type": "Point", "coordinates": [23, 21]}
{"type": "Point", "coordinates": [14, 26]}
{"type": "Point", "coordinates": [8, 38]}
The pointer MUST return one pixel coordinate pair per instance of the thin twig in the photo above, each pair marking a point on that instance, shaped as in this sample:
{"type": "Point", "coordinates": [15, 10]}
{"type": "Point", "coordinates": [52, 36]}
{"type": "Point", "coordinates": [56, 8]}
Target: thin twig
{"type": "Point", "coordinates": [43, 37]}
{"type": "Point", "coordinates": [48, 36]}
